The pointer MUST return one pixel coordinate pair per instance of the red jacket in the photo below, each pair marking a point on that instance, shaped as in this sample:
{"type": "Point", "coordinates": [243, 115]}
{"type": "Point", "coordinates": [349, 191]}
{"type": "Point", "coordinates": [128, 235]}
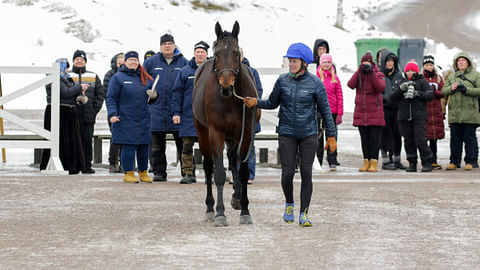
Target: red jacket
{"type": "Point", "coordinates": [368, 97]}
{"type": "Point", "coordinates": [435, 125]}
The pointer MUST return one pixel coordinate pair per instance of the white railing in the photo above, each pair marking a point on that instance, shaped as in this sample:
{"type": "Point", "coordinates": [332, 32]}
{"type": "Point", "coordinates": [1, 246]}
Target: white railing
{"type": "Point", "coordinates": [51, 139]}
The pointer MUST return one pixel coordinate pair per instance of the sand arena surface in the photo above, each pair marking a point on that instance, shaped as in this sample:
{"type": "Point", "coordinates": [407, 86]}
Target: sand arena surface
{"type": "Point", "coordinates": [386, 220]}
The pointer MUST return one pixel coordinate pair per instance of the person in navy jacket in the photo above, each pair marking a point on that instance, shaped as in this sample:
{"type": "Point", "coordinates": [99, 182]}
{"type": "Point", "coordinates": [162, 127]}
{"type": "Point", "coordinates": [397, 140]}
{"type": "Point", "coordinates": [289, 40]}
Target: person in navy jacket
{"type": "Point", "coordinates": [130, 117]}
{"type": "Point", "coordinates": [252, 160]}
{"type": "Point", "coordinates": [183, 113]}
{"type": "Point", "coordinates": [299, 94]}
{"type": "Point", "coordinates": [166, 64]}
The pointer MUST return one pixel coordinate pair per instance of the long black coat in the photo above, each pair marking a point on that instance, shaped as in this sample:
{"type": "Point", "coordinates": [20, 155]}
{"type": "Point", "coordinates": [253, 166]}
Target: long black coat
{"type": "Point", "coordinates": [416, 108]}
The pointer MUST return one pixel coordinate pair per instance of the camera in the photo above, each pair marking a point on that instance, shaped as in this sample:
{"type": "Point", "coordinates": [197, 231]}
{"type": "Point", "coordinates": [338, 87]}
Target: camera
{"type": "Point", "coordinates": [410, 93]}
{"type": "Point", "coordinates": [367, 68]}
{"type": "Point", "coordinates": [461, 88]}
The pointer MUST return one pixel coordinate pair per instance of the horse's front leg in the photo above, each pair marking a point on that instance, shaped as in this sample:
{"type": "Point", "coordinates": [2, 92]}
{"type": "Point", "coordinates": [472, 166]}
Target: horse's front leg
{"type": "Point", "coordinates": [220, 218]}
{"type": "Point", "coordinates": [233, 164]}
{"type": "Point", "coordinates": [245, 217]}
{"type": "Point", "coordinates": [209, 200]}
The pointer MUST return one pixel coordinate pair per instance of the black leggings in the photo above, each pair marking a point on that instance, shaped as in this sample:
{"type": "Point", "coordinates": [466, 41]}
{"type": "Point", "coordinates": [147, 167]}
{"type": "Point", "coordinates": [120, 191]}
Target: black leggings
{"type": "Point", "coordinates": [370, 136]}
{"type": "Point", "coordinates": [287, 147]}
{"type": "Point", "coordinates": [433, 146]}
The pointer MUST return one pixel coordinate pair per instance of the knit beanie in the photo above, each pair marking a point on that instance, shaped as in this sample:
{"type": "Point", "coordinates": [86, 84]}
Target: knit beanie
{"type": "Point", "coordinates": [131, 54]}
{"type": "Point", "coordinates": [412, 65]}
{"type": "Point", "coordinates": [148, 54]}
{"type": "Point", "coordinates": [428, 59]}
{"type": "Point", "coordinates": [367, 57]}
{"type": "Point", "coordinates": [79, 53]}
{"type": "Point", "coordinates": [166, 38]}
{"type": "Point", "coordinates": [326, 57]}
{"type": "Point", "coordinates": [201, 45]}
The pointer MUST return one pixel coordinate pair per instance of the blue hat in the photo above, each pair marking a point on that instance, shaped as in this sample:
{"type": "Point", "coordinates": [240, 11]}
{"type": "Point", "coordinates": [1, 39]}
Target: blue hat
{"type": "Point", "coordinates": [300, 51]}
{"type": "Point", "coordinates": [63, 66]}
{"type": "Point", "coordinates": [131, 54]}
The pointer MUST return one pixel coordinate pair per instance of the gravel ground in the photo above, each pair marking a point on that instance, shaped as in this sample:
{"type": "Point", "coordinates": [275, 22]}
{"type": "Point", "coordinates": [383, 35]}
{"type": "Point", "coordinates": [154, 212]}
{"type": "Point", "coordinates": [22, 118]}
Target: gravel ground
{"type": "Point", "coordinates": [385, 220]}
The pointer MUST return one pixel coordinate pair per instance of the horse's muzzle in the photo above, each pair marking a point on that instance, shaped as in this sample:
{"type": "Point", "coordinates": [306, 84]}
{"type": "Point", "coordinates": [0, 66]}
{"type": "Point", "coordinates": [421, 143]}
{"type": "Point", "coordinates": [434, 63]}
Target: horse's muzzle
{"type": "Point", "coordinates": [226, 91]}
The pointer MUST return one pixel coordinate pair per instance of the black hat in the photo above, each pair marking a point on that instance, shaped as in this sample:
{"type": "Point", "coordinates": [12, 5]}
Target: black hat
{"type": "Point", "coordinates": [166, 38]}
{"type": "Point", "coordinates": [201, 45]}
{"type": "Point", "coordinates": [428, 59]}
{"type": "Point", "coordinates": [148, 54]}
{"type": "Point", "coordinates": [79, 53]}
{"type": "Point", "coordinates": [131, 54]}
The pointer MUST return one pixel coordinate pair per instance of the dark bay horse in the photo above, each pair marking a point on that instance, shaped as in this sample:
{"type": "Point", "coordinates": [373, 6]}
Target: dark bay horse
{"type": "Point", "coordinates": [219, 115]}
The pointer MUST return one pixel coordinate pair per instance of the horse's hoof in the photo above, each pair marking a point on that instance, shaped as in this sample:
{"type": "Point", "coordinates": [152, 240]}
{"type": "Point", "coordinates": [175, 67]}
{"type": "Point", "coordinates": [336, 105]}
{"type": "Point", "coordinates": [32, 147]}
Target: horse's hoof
{"type": "Point", "coordinates": [220, 221]}
{"type": "Point", "coordinates": [235, 203]}
{"type": "Point", "coordinates": [210, 216]}
{"type": "Point", "coordinates": [246, 219]}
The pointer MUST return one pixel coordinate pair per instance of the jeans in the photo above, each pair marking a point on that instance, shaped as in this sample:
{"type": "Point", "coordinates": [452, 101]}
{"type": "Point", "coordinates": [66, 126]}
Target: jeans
{"type": "Point", "coordinates": [128, 157]}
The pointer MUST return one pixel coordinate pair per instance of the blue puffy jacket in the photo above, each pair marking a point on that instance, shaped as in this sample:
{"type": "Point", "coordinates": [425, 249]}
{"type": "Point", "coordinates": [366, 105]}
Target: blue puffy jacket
{"type": "Point", "coordinates": [160, 110]}
{"type": "Point", "coordinates": [299, 99]}
{"type": "Point", "coordinates": [182, 99]}
{"type": "Point", "coordinates": [127, 99]}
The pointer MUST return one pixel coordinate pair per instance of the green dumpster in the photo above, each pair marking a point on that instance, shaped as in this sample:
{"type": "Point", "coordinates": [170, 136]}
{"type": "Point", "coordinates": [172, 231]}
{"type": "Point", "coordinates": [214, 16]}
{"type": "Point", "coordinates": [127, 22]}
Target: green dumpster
{"type": "Point", "coordinates": [374, 44]}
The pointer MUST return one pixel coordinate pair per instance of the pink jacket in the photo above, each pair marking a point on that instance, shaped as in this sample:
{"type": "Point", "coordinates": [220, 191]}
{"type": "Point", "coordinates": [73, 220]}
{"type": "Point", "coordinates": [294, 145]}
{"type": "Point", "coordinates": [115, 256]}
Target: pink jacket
{"type": "Point", "coordinates": [334, 91]}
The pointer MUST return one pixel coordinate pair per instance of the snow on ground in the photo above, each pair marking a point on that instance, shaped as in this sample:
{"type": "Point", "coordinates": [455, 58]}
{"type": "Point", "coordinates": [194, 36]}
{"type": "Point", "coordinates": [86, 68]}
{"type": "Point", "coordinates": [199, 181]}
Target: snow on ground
{"type": "Point", "coordinates": [266, 30]}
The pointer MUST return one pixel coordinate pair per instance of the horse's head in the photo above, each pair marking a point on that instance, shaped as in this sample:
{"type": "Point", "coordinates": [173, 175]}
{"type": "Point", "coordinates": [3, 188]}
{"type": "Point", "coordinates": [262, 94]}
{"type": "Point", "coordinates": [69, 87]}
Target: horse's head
{"type": "Point", "coordinates": [227, 58]}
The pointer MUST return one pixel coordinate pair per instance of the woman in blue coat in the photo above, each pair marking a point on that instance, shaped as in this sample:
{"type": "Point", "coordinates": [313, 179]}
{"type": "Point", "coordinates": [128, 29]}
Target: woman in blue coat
{"type": "Point", "coordinates": [299, 94]}
{"type": "Point", "coordinates": [130, 117]}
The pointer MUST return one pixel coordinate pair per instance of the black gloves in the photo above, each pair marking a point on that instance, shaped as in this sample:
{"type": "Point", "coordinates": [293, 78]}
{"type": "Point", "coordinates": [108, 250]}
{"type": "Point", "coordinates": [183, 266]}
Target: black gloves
{"type": "Point", "coordinates": [461, 88]}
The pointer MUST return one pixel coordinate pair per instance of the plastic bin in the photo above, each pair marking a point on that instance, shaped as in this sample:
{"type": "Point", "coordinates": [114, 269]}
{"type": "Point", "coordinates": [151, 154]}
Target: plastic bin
{"type": "Point", "coordinates": [374, 44]}
{"type": "Point", "coordinates": [411, 49]}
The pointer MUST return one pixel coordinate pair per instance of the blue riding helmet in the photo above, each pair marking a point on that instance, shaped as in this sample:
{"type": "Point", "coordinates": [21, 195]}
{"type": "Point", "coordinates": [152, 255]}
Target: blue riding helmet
{"type": "Point", "coordinates": [300, 51]}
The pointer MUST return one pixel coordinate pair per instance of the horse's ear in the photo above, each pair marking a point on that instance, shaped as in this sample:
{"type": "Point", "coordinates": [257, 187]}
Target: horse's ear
{"type": "Point", "coordinates": [236, 30]}
{"type": "Point", "coordinates": [218, 30]}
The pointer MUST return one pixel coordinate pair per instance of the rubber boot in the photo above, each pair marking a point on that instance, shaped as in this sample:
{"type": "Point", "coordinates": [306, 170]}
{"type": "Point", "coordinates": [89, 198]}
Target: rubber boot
{"type": "Point", "coordinates": [130, 177]}
{"type": "Point", "coordinates": [373, 165]}
{"type": "Point", "coordinates": [143, 176]}
{"type": "Point", "coordinates": [365, 166]}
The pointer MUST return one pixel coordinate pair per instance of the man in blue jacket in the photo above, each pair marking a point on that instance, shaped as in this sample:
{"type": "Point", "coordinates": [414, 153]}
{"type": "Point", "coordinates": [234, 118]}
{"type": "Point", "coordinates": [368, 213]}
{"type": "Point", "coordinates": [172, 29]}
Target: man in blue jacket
{"type": "Point", "coordinates": [183, 113]}
{"type": "Point", "coordinates": [166, 64]}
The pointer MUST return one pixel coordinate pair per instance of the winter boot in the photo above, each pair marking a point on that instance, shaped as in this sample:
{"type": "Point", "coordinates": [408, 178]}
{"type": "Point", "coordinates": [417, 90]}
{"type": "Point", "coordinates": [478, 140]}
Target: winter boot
{"type": "Point", "coordinates": [451, 167]}
{"type": "Point", "coordinates": [412, 167]}
{"type": "Point", "coordinates": [468, 167]}
{"type": "Point", "coordinates": [436, 166]}
{"type": "Point", "coordinates": [143, 175]}
{"type": "Point", "coordinates": [390, 166]}
{"type": "Point", "coordinates": [373, 165]}
{"type": "Point", "coordinates": [365, 166]}
{"type": "Point", "coordinates": [398, 163]}
{"type": "Point", "coordinates": [129, 177]}
{"type": "Point", "coordinates": [427, 167]}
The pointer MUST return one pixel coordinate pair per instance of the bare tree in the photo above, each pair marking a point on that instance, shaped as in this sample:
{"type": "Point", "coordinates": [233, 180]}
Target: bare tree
{"type": "Point", "coordinates": [339, 22]}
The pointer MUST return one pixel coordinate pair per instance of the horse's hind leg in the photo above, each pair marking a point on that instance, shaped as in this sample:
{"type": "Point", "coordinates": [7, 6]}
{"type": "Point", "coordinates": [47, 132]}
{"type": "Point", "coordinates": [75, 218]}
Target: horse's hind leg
{"type": "Point", "coordinates": [209, 200]}
{"type": "Point", "coordinates": [245, 217]}
{"type": "Point", "coordinates": [220, 218]}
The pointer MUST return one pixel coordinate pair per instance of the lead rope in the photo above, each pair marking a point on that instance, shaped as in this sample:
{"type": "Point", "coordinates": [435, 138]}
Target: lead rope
{"type": "Point", "coordinates": [251, 134]}
{"type": "Point", "coordinates": [243, 128]}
